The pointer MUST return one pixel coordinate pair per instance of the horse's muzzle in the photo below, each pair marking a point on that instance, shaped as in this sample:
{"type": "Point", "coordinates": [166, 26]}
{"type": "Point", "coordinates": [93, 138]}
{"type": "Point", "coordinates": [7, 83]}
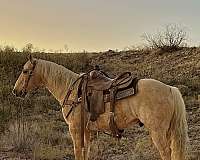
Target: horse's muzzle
{"type": "Point", "coordinates": [20, 94]}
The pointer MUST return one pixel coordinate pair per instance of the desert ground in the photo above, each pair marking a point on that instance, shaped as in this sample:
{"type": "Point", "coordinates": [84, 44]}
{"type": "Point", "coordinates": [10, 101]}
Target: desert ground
{"type": "Point", "coordinates": [35, 129]}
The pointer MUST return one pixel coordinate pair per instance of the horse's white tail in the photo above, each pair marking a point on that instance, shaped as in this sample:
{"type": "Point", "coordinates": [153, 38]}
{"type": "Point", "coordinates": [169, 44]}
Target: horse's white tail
{"type": "Point", "coordinates": [178, 128]}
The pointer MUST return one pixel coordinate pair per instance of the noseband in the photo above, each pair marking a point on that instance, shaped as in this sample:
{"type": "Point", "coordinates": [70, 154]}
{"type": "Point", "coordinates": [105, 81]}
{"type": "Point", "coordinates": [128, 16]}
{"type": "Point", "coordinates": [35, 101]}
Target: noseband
{"type": "Point", "coordinates": [29, 72]}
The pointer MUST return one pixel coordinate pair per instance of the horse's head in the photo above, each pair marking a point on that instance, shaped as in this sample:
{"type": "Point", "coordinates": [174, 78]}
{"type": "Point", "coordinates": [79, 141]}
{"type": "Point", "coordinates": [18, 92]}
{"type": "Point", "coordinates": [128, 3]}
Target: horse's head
{"type": "Point", "coordinates": [29, 79]}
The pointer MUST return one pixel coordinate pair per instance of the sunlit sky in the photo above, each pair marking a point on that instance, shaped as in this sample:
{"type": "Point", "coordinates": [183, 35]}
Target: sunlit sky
{"type": "Point", "coordinates": [92, 25]}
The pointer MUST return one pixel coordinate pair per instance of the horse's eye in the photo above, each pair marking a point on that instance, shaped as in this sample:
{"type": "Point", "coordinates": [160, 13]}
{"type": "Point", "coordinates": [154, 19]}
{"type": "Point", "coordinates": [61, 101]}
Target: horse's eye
{"type": "Point", "coordinates": [25, 71]}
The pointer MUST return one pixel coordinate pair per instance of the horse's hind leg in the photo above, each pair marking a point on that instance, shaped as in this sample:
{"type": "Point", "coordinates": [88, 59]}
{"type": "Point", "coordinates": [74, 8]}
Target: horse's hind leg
{"type": "Point", "coordinates": [162, 144]}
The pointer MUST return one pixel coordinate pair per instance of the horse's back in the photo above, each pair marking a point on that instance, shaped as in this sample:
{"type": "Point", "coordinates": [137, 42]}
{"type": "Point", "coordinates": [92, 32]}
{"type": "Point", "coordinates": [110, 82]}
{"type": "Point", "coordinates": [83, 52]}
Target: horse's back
{"type": "Point", "coordinates": [153, 85]}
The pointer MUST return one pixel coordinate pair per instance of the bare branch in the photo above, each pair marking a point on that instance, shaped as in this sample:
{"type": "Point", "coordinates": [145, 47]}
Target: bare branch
{"type": "Point", "coordinates": [171, 37]}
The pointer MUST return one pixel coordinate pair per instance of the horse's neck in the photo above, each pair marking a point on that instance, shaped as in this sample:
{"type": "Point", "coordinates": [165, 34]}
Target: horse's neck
{"type": "Point", "coordinates": [58, 79]}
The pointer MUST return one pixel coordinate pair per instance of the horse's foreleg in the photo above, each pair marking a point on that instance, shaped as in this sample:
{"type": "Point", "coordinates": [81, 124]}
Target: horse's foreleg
{"type": "Point", "coordinates": [87, 143]}
{"type": "Point", "coordinates": [76, 138]}
{"type": "Point", "coordinates": [162, 144]}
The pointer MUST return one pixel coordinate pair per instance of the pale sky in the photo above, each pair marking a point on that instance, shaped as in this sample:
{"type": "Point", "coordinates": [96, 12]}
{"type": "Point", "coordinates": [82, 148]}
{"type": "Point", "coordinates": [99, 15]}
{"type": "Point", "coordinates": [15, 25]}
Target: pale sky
{"type": "Point", "coordinates": [92, 25]}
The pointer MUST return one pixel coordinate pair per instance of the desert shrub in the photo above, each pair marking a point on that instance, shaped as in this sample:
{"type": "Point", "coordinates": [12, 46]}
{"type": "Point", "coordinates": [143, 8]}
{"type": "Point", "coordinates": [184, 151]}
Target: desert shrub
{"type": "Point", "coordinates": [170, 38]}
{"type": "Point", "coordinates": [36, 136]}
{"type": "Point", "coordinates": [9, 49]}
{"type": "Point", "coordinates": [28, 48]}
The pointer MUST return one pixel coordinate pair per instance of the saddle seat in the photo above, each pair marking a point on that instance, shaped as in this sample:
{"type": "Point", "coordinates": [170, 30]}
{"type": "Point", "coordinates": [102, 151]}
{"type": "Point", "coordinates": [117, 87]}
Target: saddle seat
{"type": "Point", "coordinates": [101, 82]}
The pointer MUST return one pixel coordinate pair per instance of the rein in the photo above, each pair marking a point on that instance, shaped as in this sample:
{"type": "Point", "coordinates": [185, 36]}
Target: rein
{"type": "Point", "coordinates": [71, 88]}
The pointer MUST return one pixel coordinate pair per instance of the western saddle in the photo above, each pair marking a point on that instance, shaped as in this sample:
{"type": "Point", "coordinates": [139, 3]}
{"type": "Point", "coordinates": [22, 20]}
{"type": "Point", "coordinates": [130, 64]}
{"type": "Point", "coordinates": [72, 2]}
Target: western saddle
{"type": "Point", "coordinates": [96, 88]}
{"type": "Point", "coordinates": [101, 89]}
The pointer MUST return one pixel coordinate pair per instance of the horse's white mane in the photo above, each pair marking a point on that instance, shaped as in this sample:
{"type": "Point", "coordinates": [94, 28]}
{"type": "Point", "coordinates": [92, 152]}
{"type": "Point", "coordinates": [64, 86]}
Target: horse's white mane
{"type": "Point", "coordinates": [54, 69]}
{"type": "Point", "coordinates": [59, 78]}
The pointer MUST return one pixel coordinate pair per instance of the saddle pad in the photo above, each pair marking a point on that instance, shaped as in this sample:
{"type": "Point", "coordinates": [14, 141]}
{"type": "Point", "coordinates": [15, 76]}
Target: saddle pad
{"type": "Point", "coordinates": [120, 94]}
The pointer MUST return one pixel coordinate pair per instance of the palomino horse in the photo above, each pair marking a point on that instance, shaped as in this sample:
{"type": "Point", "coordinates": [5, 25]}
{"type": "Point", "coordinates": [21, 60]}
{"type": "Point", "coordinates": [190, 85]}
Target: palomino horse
{"type": "Point", "coordinates": [158, 106]}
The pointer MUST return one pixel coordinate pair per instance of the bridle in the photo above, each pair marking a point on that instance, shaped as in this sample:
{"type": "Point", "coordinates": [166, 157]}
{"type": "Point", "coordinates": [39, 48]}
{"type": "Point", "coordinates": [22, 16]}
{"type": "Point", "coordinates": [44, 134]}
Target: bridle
{"type": "Point", "coordinates": [28, 72]}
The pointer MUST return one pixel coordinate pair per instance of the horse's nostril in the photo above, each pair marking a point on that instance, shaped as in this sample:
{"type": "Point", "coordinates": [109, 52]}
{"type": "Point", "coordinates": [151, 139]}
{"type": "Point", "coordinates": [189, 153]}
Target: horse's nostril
{"type": "Point", "coordinates": [20, 93]}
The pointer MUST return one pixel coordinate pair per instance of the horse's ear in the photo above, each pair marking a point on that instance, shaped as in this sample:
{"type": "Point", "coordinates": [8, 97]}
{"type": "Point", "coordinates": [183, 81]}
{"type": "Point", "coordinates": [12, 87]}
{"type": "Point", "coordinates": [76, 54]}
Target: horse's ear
{"type": "Point", "coordinates": [31, 59]}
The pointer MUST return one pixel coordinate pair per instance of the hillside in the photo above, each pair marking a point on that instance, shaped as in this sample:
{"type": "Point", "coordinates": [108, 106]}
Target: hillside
{"type": "Point", "coordinates": [34, 128]}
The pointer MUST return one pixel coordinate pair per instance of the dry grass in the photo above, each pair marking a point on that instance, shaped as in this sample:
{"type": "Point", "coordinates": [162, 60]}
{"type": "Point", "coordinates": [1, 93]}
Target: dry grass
{"type": "Point", "coordinates": [40, 139]}
{"type": "Point", "coordinates": [34, 128]}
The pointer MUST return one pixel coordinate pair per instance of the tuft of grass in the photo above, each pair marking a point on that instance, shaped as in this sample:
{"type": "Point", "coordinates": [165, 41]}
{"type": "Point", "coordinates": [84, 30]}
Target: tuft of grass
{"type": "Point", "coordinates": [43, 151]}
